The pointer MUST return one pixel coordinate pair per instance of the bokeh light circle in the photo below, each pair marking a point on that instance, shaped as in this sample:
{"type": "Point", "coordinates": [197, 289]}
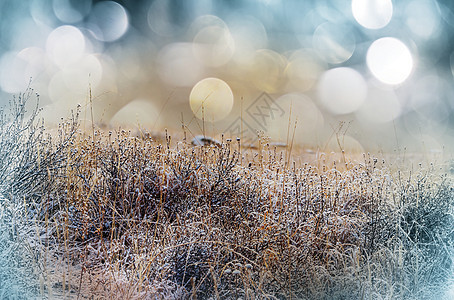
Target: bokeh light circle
{"type": "Point", "coordinates": [12, 73]}
{"type": "Point", "coordinates": [108, 21]}
{"type": "Point", "coordinates": [303, 70]}
{"type": "Point", "coordinates": [69, 11]}
{"type": "Point", "coordinates": [57, 89]}
{"type": "Point", "coordinates": [41, 14]}
{"type": "Point", "coordinates": [177, 65]}
{"type": "Point", "coordinates": [422, 18]}
{"type": "Point", "coordinates": [372, 14]}
{"type": "Point", "coordinates": [140, 112]}
{"type": "Point", "coordinates": [87, 72]}
{"type": "Point", "coordinates": [249, 35]}
{"type": "Point", "coordinates": [202, 22]}
{"type": "Point", "coordinates": [389, 60]}
{"type": "Point", "coordinates": [65, 45]}
{"type": "Point", "coordinates": [213, 46]}
{"type": "Point", "coordinates": [334, 43]}
{"type": "Point", "coordinates": [211, 99]}
{"type": "Point", "coordinates": [342, 90]}
{"type": "Point", "coordinates": [381, 106]}
{"type": "Point", "coordinates": [160, 19]}
{"type": "Point", "coordinates": [37, 62]}
{"type": "Point", "coordinates": [266, 70]}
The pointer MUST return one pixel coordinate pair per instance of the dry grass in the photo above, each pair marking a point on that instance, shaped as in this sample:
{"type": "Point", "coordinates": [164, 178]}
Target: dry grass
{"type": "Point", "coordinates": [113, 216]}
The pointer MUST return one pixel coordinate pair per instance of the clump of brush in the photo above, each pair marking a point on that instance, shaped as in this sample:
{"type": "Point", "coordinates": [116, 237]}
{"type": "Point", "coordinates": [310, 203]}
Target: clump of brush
{"type": "Point", "coordinates": [195, 219]}
{"type": "Point", "coordinates": [29, 161]}
{"type": "Point", "coordinates": [121, 217]}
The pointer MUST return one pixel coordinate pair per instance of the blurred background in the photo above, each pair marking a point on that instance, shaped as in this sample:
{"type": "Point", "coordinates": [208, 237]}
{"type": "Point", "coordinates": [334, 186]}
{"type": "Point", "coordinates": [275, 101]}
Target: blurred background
{"type": "Point", "coordinates": [376, 74]}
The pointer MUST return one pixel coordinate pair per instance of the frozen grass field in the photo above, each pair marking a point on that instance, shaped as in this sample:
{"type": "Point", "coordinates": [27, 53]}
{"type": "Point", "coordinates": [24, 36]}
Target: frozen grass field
{"type": "Point", "coordinates": [107, 215]}
{"type": "Point", "coordinates": [227, 149]}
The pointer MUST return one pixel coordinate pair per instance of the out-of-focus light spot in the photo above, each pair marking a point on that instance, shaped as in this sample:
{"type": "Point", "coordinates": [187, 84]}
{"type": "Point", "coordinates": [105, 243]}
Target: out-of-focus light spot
{"type": "Point", "coordinates": [12, 73]}
{"type": "Point", "coordinates": [381, 106]}
{"type": "Point", "coordinates": [92, 45]}
{"type": "Point", "coordinates": [72, 82]}
{"type": "Point", "coordinates": [304, 111]}
{"type": "Point", "coordinates": [334, 43]}
{"type": "Point", "coordinates": [422, 17]}
{"type": "Point", "coordinates": [389, 60]}
{"type": "Point", "coordinates": [36, 61]}
{"type": "Point", "coordinates": [65, 45]}
{"type": "Point", "coordinates": [204, 21]}
{"type": "Point", "coordinates": [213, 46]}
{"type": "Point", "coordinates": [342, 90]}
{"type": "Point", "coordinates": [211, 99]}
{"type": "Point", "coordinates": [37, 70]}
{"type": "Point", "coordinates": [177, 65]}
{"type": "Point", "coordinates": [86, 72]}
{"type": "Point", "coordinates": [57, 88]}
{"type": "Point", "coordinates": [372, 14]}
{"type": "Point", "coordinates": [328, 11]}
{"type": "Point", "coordinates": [71, 11]}
{"type": "Point", "coordinates": [139, 112]}
{"type": "Point", "coordinates": [42, 14]}
{"type": "Point", "coordinates": [266, 70]}
{"type": "Point", "coordinates": [249, 35]}
{"type": "Point", "coordinates": [160, 19]}
{"type": "Point", "coordinates": [108, 21]}
{"type": "Point", "coordinates": [305, 26]}
{"type": "Point", "coordinates": [303, 70]}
